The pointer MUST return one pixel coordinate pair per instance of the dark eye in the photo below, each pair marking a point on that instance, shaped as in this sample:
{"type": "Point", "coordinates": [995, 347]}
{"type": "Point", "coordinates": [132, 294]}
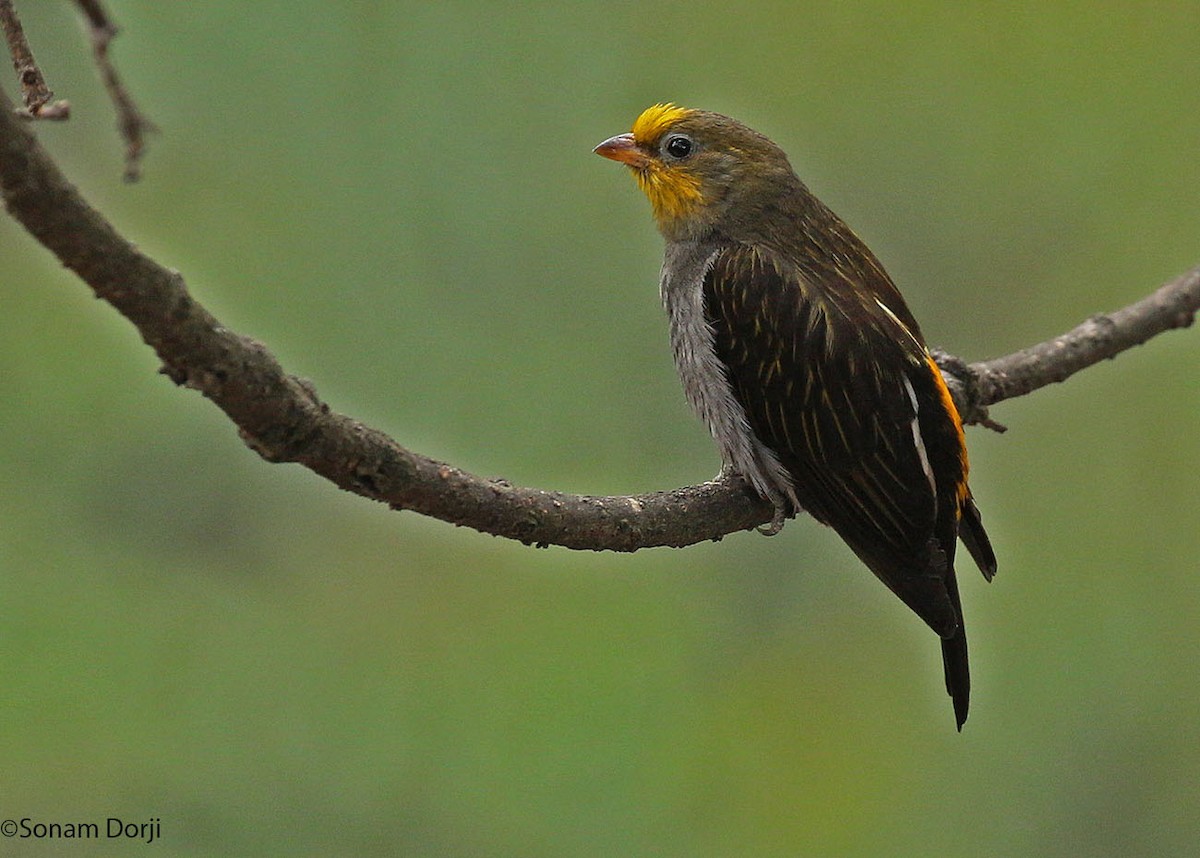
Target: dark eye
{"type": "Point", "coordinates": [679, 146]}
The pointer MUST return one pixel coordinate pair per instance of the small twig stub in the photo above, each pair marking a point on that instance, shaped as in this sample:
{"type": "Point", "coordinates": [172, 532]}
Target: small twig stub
{"type": "Point", "coordinates": [35, 94]}
{"type": "Point", "coordinates": [131, 122]}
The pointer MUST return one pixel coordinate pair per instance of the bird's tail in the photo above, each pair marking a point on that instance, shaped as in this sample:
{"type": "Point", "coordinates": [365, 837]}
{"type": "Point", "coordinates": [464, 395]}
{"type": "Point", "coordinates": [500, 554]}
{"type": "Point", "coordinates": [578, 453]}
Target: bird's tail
{"type": "Point", "coordinates": [954, 660]}
{"type": "Point", "coordinates": [954, 647]}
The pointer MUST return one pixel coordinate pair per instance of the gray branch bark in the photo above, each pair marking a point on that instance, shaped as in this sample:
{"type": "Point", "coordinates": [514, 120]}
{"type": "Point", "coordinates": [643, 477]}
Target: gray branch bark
{"type": "Point", "coordinates": [281, 417]}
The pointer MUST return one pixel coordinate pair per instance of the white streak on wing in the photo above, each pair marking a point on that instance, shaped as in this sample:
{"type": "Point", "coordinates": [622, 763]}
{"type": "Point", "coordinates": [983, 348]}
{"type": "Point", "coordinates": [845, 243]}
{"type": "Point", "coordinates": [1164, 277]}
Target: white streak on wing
{"type": "Point", "coordinates": [920, 443]}
{"type": "Point", "coordinates": [903, 326]}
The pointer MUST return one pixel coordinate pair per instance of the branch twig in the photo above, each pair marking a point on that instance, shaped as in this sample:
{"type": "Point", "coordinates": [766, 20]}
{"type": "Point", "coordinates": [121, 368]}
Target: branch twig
{"type": "Point", "coordinates": [1103, 336]}
{"type": "Point", "coordinates": [281, 417]}
{"type": "Point", "coordinates": [132, 123]}
{"type": "Point", "coordinates": [35, 93]}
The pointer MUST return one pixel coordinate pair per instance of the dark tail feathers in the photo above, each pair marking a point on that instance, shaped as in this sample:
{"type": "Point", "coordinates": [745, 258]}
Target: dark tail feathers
{"type": "Point", "coordinates": [954, 648]}
{"type": "Point", "coordinates": [954, 660]}
{"type": "Point", "coordinates": [971, 532]}
{"type": "Point", "coordinates": [958, 674]}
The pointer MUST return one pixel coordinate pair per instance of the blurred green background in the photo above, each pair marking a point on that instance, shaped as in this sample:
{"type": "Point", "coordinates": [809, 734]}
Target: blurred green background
{"type": "Point", "coordinates": [401, 201]}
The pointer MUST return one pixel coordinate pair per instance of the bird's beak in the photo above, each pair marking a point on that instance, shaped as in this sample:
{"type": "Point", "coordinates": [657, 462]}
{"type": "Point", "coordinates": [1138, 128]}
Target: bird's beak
{"type": "Point", "coordinates": [623, 148]}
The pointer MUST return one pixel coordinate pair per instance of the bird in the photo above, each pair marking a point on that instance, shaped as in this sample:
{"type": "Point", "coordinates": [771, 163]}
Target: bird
{"type": "Point", "coordinates": [798, 351]}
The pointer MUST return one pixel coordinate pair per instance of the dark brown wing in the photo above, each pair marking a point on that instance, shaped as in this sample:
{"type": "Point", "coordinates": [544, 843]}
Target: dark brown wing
{"type": "Point", "coordinates": [970, 530]}
{"type": "Point", "coordinates": [839, 388]}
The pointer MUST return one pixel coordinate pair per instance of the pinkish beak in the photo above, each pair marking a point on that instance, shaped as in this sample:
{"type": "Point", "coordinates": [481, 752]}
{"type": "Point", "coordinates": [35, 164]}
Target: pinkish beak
{"type": "Point", "coordinates": [623, 148]}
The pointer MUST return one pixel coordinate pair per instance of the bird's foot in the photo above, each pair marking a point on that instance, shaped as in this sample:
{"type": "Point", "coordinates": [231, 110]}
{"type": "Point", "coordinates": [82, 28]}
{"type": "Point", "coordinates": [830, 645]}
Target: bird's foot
{"type": "Point", "coordinates": [782, 509]}
{"type": "Point", "coordinates": [784, 506]}
{"type": "Point", "coordinates": [724, 474]}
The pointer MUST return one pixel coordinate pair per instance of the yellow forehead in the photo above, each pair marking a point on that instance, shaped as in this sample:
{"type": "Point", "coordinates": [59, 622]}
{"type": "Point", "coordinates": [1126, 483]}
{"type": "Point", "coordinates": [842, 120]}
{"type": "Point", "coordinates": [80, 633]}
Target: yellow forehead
{"type": "Point", "coordinates": [655, 120]}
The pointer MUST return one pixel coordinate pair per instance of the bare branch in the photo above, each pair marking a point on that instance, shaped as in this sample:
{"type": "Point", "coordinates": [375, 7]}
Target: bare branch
{"type": "Point", "coordinates": [281, 417]}
{"type": "Point", "coordinates": [131, 122]}
{"type": "Point", "coordinates": [1173, 305]}
{"type": "Point", "coordinates": [35, 93]}
{"type": "Point", "coordinates": [96, 16]}
{"type": "Point", "coordinates": [1103, 336]}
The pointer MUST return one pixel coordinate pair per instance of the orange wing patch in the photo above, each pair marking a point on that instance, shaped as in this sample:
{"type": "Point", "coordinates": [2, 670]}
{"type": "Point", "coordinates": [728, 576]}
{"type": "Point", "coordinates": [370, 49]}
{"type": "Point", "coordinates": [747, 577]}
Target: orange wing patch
{"type": "Point", "coordinates": [948, 402]}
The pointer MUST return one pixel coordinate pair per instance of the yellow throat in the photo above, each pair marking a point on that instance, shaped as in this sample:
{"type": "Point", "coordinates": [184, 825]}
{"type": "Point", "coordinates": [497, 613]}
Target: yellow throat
{"type": "Point", "coordinates": [673, 191]}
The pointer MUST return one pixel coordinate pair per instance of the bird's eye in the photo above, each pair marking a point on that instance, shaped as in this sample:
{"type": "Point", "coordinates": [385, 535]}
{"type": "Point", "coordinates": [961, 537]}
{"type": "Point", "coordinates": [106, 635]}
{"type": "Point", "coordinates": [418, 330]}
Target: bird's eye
{"type": "Point", "coordinates": [679, 146]}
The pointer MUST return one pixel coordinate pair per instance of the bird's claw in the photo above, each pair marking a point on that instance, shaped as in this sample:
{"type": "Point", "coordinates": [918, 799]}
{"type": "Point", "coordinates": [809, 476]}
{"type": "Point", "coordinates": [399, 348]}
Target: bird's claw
{"type": "Point", "coordinates": [777, 521]}
{"type": "Point", "coordinates": [783, 507]}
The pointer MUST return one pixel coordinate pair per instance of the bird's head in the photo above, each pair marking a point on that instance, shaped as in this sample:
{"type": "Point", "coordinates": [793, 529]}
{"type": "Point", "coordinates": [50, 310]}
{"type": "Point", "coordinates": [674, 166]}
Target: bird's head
{"type": "Point", "coordinates": [701, 171]}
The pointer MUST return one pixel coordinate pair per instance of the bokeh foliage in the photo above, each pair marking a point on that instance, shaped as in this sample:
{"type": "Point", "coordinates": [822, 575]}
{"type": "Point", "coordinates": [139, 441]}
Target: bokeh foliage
{"type": "Point", "coordinates": [400, 200]}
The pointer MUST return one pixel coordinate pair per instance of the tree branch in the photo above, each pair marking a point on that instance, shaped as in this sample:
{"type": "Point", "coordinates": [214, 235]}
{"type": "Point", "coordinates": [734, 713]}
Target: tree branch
{"type": "Point", "coordinates": [34, 91]}
{"type": "Point", "coordinates": [1103, 336]}
{"type": "Point", "coordinates": [281, 417]}
{"type": "Point", "coordinates": [131, 122]}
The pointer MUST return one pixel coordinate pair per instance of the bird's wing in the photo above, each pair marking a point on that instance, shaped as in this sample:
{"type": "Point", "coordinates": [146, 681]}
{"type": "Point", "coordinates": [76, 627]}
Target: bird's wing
{"type": "Point", "coordinates": [834, 382]}
{"type": "Point", "coordinates": [973, 535]}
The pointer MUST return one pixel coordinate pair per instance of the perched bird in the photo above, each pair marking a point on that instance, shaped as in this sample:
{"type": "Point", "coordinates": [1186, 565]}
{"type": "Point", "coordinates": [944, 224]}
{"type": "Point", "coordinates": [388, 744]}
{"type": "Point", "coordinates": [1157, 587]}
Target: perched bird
{"type": "Point", "coordinates": [798, 351]}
